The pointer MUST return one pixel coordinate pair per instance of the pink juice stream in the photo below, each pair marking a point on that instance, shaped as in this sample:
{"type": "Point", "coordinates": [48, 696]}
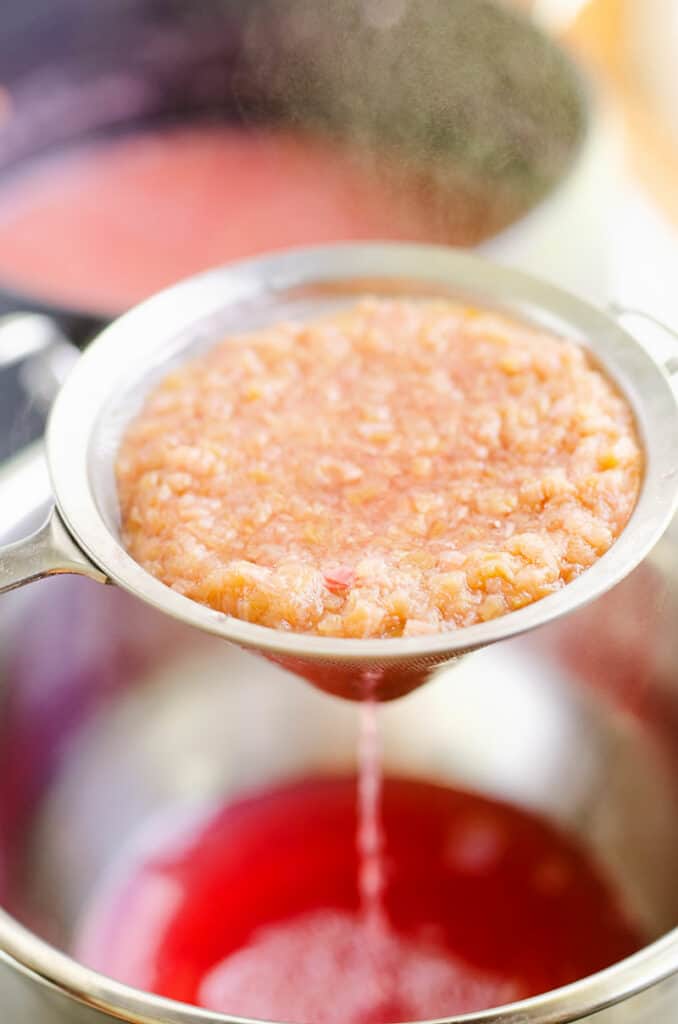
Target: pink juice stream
{"type": "Point", "coordinates": [371, 854]}
{"type": "Point", "coordinates": [371, 866]}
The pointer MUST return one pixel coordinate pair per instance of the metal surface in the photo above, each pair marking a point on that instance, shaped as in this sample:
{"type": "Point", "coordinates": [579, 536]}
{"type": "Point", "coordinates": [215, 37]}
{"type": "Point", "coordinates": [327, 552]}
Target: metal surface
{"type": "Point", "coordinates": [25, 493]}
{"type": "Point", "coordinates": [38, 343]}
{"type": "Point", "coordinates": [129, 715]}
{"type": "Point", "coordinates": [107, 385]}
{"type": "Point", "coordinates": [76, 750]}
{"type": "Point", "coordinates": [26, 335]}
{"type": "Point", "coordinates": [621, 312]}
{"type": "Point", "coordinates": [49, 551]}
{"type": "Point", "coordinates": [35, 355]}
{"type": "Point", "coordinates": [578, 722]}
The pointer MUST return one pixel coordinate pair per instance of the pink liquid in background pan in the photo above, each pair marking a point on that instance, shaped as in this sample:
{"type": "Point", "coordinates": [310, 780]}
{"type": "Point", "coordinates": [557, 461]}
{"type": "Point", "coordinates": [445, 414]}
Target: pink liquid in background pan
{"type": "Point", "coordinates": [260, 908]}
{"type": "Point", "coordinates": [105, 226]}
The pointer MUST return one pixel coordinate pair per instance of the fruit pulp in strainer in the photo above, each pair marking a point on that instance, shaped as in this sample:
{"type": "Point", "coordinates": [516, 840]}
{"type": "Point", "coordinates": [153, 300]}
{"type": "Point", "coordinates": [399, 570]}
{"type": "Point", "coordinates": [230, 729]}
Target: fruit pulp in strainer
{"type": "Point", "coordinates": [396, 468]}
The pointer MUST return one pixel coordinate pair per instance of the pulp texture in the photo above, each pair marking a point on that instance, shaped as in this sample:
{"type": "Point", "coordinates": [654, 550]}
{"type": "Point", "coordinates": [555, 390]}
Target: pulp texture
{"type": "Point", "coordinates": [397, 468]}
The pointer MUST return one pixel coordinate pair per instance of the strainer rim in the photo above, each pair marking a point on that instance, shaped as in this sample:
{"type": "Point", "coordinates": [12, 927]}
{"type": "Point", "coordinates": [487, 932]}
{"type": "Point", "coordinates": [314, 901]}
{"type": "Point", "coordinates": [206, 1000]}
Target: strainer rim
{"type": "Point", "coordinates": [74, 418]}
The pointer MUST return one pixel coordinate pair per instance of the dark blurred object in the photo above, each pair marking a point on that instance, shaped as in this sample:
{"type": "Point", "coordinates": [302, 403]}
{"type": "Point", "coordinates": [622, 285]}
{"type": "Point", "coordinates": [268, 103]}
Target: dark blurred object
{"type": "Point", "coordinates": [20, 421]}
{"type": "Point", "coordinates": [22, 417]}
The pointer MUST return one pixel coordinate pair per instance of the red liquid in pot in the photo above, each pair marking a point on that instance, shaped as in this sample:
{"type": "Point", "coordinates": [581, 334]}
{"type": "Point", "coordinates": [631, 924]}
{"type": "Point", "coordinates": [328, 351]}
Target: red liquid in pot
{"type": "Point", "coordinates": [255, 909]}
{"type": "Point", "coordinates": [108, 225]}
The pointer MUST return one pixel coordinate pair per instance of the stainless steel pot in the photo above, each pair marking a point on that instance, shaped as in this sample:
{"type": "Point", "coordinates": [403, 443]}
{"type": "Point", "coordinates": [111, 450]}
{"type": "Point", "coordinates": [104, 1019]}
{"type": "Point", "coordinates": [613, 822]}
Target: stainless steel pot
{"type": "Point", "coordinates": [110, 716]}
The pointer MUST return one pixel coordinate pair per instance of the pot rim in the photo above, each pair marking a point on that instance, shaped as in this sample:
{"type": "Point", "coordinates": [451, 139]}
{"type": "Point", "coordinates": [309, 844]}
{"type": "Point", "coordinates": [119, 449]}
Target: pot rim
{"type": "Point", "coordinates": [101, 392]}
{"type": "Point", "coordinates": [48, 966]}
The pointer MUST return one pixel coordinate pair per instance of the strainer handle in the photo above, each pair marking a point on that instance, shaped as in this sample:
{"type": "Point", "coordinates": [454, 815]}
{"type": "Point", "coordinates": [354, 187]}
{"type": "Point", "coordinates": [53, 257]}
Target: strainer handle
{"type": "Point", "coordinates": [49, 551]}
{"type": "Point", "coordinates": [621, 312]}
{"type": "Point", "coordinates": [39, 344]}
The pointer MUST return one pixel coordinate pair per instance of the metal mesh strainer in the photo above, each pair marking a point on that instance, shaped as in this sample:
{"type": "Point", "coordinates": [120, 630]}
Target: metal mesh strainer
{"type": "Point", "coordinates": [108, 383]}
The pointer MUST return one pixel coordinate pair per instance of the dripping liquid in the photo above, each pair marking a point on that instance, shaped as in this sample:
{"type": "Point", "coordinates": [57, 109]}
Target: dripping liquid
{"type": "Point", "coordinates": [370, 835]}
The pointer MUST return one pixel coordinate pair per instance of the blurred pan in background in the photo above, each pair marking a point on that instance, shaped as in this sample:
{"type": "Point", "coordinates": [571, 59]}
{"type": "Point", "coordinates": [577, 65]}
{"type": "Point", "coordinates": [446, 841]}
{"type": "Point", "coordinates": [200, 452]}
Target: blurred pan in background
{"type": "Point", "coordinates": [142, 141]}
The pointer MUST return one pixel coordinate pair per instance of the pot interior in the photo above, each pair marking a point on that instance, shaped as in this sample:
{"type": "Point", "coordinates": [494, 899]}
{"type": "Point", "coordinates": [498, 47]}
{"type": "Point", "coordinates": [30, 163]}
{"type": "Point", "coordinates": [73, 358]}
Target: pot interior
{"type": "Point", "coordinates": [135, 721]}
